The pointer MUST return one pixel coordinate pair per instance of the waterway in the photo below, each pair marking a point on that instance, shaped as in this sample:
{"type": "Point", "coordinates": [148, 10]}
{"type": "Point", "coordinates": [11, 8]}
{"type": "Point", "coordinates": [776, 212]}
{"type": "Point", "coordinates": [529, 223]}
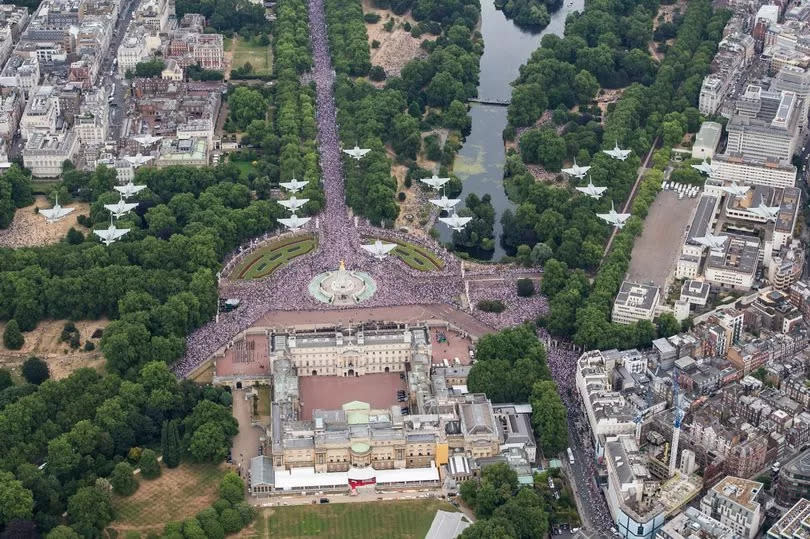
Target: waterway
{"type": "Point", "coordinates": [479, 164]}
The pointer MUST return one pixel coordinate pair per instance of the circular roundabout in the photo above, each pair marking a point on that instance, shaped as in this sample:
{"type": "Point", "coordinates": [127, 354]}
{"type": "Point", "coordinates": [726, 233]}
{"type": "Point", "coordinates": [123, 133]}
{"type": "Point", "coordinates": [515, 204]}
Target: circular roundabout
{"type": "Point", "coordinates": [342, 287]}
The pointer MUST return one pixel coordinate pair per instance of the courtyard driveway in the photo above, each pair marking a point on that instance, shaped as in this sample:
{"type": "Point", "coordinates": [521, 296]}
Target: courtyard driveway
{"type": "Point", "coordinates": [246, 443]}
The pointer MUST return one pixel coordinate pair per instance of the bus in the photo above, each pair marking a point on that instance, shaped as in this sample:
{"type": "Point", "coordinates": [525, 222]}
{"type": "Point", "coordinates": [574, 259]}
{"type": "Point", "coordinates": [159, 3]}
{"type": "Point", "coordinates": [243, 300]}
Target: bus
{"type": "Point", "coordinates": [570, 456]}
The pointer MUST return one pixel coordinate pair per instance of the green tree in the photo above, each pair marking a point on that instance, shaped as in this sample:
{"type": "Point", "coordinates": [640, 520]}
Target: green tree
{"type": "Point", "coordinates": [150, 68]}
{"type": "Point", "coordinates": [63, 532]}
{"type": "Point", "coordinates": [540, 253]}
{"type": "Point", "coordinates": [525, 287]}
{"type": "Point", "coordinates": [123, 480]}
{"type": "Point", "coordinates": [5, 379]}
{"type": "Point", "coordinates": [586, 86]}
{"type": "Point", "coordinates": [35, 371]}
{"type": "Point", "coordinates": [667, 325]}
{"type": "Point", "coordinates": [12, 337]}
{"type": "Point", "coordinates": [208, 443]}
{"type": "Point", "coordinates": [543, 146]}
{"type": "Point", "coordinates": [89, 511]}
{"type": "Point", "coordinates": [549, 418]}
{"type": "Point", "coordinates": [149, 465]}
{"type": "Point", "coordinates": [170, 444]}
{"type": "Point", "coordinates": [246, 105]}
{"type": "Point", "coordinates": [16, 501]}
{"type": "Point", "coordinates": [232, 488]}
{"type": "Point", "coordinates": [231, 520]}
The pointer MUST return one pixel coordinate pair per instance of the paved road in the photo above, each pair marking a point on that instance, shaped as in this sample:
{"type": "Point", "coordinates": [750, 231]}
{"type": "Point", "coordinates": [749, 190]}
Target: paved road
{"type": "Point", "coordinates": [641, 170]}
{"type": "Point", "coordinates": [246, 443]}
{"type": "Point", "coordinates": [109, 75]}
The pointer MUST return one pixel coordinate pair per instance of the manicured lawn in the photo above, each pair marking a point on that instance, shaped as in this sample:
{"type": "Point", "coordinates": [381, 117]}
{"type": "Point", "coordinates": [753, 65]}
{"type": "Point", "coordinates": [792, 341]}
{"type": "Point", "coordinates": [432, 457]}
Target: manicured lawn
{"type": "Point", "coordinates": [177, 494]}
{"type": "Point", "coordinates": [245, 167]}
{"type": "Point", "coordinates": [261, 58]}
{"type": "Point", "coordinates": [408, 519]}
{"type": "Point", "coordinates": [415, 256]}
{"type": "Point", "coordinates": [266, 260]}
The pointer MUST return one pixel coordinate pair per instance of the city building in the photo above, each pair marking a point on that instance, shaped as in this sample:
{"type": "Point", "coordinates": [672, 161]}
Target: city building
{"type": "Point", "coordinates": [735, 168]}
{"type": "Point", "coordinates": [764, 125]}
{"type": "Point", "coordinates": [44, 153]}
{"type": "Point", "coordinates": [338, 352]}
{"type": "Point", "coordinates": [11, 108]}
{"type": "Point", "coordinates": [734, 265]}
{"type": "Point", "coordinates": [191, 152]}
{"type": "Point", "coordinates": [638, 503]}
{"type": "Point", "coordinates": [91, 123]}
{"type": "Point", "coordinates": [794, 523]}
{"type": "Point", "coordinates": [20, 72]}
{"type": "Point", "coordinates": [693, 524]}
{"type": "Point", "coordinates": [794, 79]}
{"type": "Point", "coordinates": [706, 140]}
{"type": "Point", "coordinates": [192, 48]}
{"type": "Point", "coordinates": [735, 502]}
{"type": "Point", "coordinates": [794, 480]}
{"type": "Point", "coordinates": [172, 71]}
{"type": "Point", "coordinates": [41, 112]}
{"type": "Point", "coordinates": [786, 266]}
{"type": "Point", "coordinates": [635, 302]}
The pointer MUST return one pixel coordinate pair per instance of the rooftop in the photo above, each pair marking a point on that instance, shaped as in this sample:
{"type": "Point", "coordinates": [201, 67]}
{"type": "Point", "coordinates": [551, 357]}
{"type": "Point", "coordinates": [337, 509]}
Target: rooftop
{"type": "Point", "coordinates": [447, 525]}
{"type": "Point", "coordinates": [739, 253]}
{"type": "Point", "coordinates": [741, 491]}
{"type": "Point", "coordinates": [640, 296]}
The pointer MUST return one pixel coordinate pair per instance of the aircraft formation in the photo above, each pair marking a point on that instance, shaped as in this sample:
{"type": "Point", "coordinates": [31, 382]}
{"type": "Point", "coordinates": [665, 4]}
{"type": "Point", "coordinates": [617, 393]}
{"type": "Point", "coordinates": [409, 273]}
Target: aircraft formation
{"type": "Point", "coordinates": [111, 234]}
{"type": "Point", "coordinates": [129, 189]}
{"type": "Point", "coordinates": [591, 190]}
{"type": "Point", "coordinates": [576, 171]}
{"type": "Point", "coordinates": [711, 241]}
{"type": "Point", "coordinates": [120, 208]}
{"type": "Point", "coordinates": [613, 217]}
{"type": "Point", "coordinates": [357, 152]}
{"type": "Point", "coordinates": [618, 153]}
{"type": "Point", "coordinates": [294, 185]}
{"type": "Point", "coordinates": [378, 249]}
{"type": "Point", "coordinates": [704, 168]}
{"type": "Point", "coordinates": [57, 213]}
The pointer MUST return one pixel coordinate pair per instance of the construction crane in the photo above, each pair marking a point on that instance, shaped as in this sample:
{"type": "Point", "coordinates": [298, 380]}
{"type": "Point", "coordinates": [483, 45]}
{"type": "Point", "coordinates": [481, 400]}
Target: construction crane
{"type": "Point", "coordinates": [676, 424]}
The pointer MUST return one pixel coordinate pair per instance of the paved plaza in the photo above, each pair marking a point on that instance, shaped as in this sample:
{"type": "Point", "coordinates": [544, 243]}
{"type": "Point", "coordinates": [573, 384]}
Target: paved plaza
{"type": "Point", "coordinates": [656, 251]}
{"type": "Point", "coordinates": [331, 392]}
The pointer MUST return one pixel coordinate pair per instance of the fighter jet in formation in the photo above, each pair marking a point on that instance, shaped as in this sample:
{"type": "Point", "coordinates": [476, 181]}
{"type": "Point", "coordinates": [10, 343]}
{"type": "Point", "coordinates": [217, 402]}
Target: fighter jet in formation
{"type": "Point", "coordinates": [445, 203]}
{"type": "Point", "coordinates": [618, 153]}
{"type": "Point", "coordinates": [111, 234]}
{"type": "Point", "coordinates": [378, 249]}
{"type": "Point", "coordinates": [614, 218]}
{"type": "Point", "coordinates": [294, 222]}
{"type": "Point", "coordinates": [146, 140]}
{"type": "Point", "coordinates": [711, 241]}
{"type": "Point", "coordinates": [769, 213]}
{"type": "Point", "coordinates": [121, 208]}
{"type": "Point", "coordinates": [435, 182]}
{"type": "Point", "coordinates": [138, 160]}
{"type": "Point", "coordinates": [293, 204]}
{"type": "Point", "coordinates": [294, 185]}
{"type": "Point", "coordinates": [129, 189]}
{"type": "Point", "coordinates": [55, 214]}
{"type": "Point", "coordinates": [357, 152]}
{"type": "Point", "coordinates": [735, 190]}
{"type": "Point", "coordinates": [455, 222]}
{"type": "Point", "coordinates": [704, 168]}
{"type": "Point", "coordinates": [576, 171]}
{"type": "Point", "coordinates": [591, 190]}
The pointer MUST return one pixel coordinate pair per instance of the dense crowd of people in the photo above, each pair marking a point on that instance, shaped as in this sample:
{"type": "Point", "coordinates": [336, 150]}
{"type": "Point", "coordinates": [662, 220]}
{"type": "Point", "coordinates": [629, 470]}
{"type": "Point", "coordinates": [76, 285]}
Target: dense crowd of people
{"type": "Point", "coordinates": [562, 361]}
{"type": "Point", "coordinates": [339, 240]}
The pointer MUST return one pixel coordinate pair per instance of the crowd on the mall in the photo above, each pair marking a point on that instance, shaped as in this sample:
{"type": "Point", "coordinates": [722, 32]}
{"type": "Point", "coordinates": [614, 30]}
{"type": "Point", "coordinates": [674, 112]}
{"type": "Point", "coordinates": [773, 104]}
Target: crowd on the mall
{"type": "Point", "coordinates": [562, 361]}
{"type": "Point", "coordinates": [339, 240]}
